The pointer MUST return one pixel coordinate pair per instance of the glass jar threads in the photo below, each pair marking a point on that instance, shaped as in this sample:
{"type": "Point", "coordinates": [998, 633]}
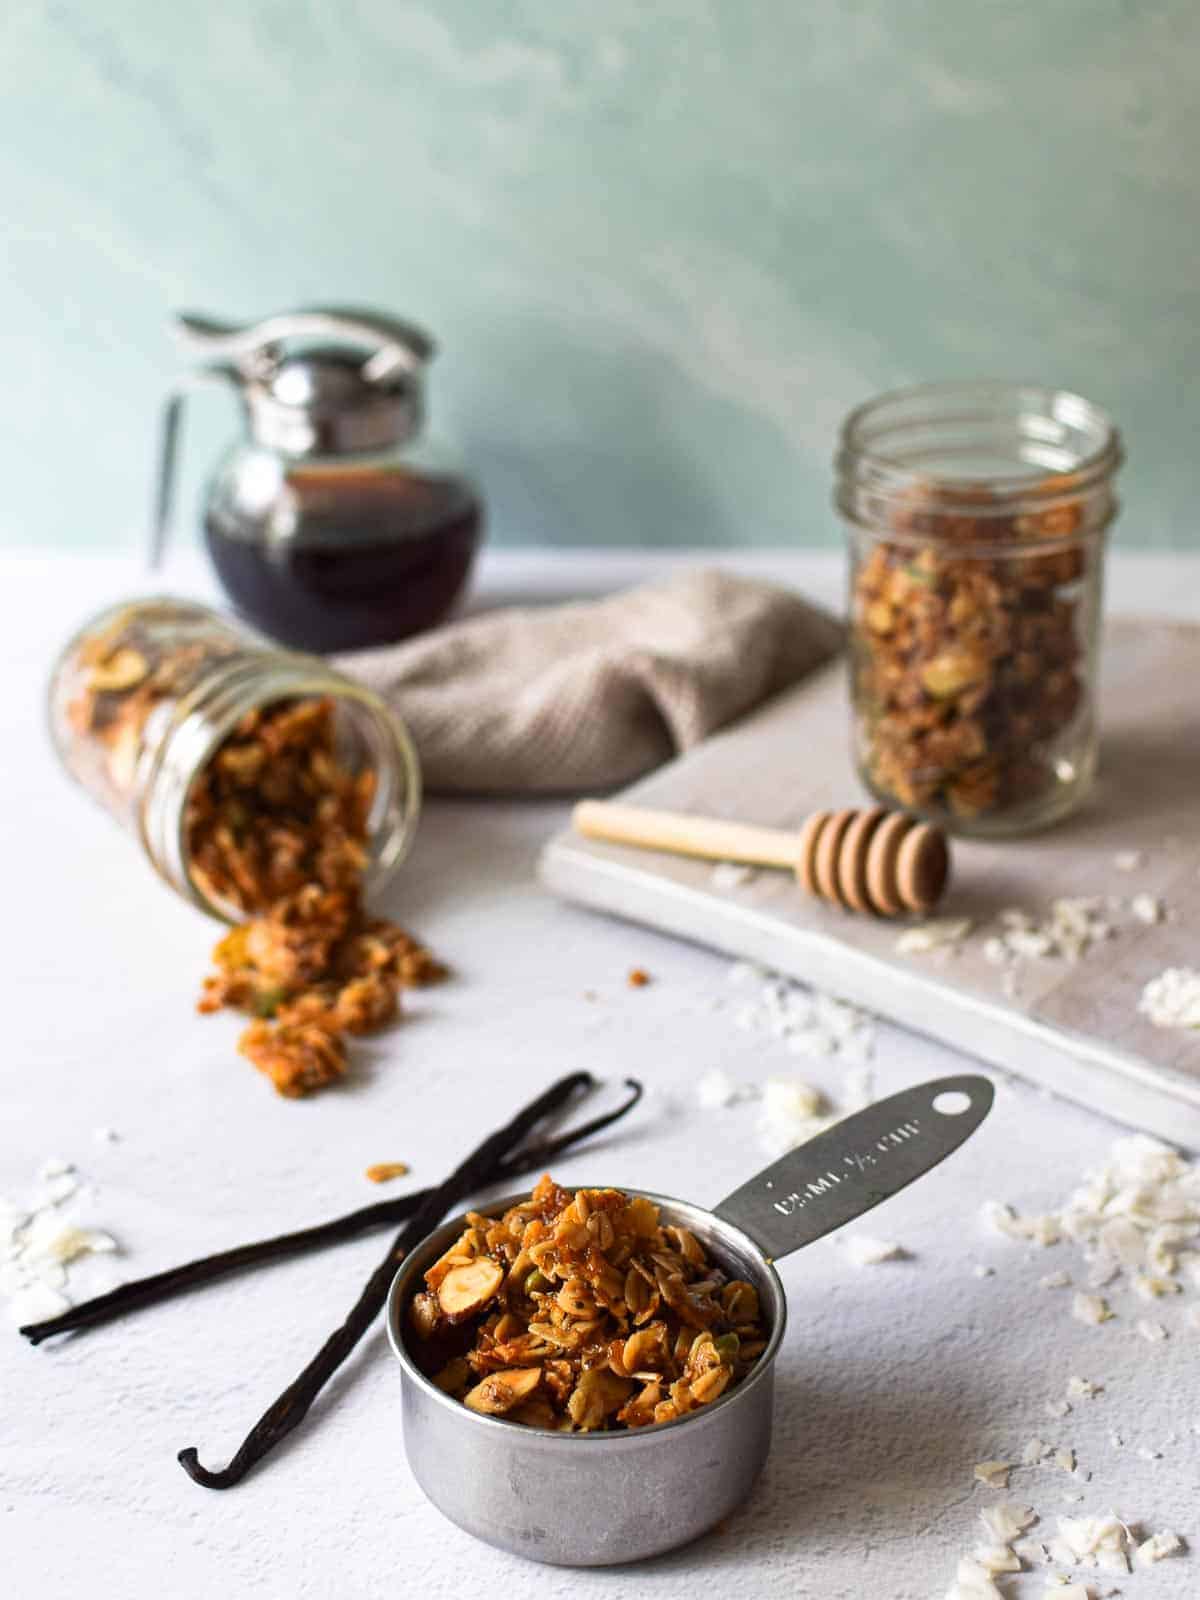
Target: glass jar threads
{"type": "Point", "coordinates": [244, 771]}
{"type": "Point", "coordinates": [976, 516]}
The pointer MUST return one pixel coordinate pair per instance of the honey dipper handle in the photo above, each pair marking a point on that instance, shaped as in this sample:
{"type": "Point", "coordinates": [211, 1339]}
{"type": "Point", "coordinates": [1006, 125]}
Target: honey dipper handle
{"type": "Point", "coordinates": [686, 836]}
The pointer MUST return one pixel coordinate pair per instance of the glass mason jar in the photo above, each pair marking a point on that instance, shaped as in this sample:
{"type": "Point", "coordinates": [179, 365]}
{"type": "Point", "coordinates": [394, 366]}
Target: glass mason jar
{"type": "Point", "coordinates": [976, 516]}
{"type": "Point", "coordinates": [143, 703]}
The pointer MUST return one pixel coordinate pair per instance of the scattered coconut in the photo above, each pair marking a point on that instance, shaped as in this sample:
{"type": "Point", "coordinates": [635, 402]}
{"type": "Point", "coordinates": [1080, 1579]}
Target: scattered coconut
{"type": "Point", "coordinates": [868, 1252]}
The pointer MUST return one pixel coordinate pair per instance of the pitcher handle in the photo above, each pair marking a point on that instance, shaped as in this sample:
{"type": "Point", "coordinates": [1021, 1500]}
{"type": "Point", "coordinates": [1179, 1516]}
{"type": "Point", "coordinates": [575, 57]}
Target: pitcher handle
{"type": "Point", "coordinates": [169, 440]}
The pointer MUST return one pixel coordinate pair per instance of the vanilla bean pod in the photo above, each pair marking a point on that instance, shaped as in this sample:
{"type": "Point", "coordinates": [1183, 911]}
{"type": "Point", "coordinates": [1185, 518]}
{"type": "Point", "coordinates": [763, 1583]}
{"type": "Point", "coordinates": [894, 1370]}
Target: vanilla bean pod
{"type": "Point", "coordinates": [175, 1281]}
{"type": "Point", "coordinates": [498, 1156]}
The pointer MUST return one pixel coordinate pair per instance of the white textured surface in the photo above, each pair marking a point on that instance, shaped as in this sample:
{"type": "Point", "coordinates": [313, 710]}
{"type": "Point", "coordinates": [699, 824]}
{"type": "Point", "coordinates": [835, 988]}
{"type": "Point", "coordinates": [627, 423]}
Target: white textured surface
{"type": "Point", "coordinates": [893, 1383]}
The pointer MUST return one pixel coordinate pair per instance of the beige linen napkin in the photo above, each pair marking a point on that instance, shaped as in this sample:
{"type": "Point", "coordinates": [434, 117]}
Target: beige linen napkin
{"type": "Point", "coordinates": [594, 693]}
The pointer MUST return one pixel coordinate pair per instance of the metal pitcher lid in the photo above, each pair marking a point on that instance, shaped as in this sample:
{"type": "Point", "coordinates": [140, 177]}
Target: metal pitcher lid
{"type": "Point", "coordinates": [351, 381]}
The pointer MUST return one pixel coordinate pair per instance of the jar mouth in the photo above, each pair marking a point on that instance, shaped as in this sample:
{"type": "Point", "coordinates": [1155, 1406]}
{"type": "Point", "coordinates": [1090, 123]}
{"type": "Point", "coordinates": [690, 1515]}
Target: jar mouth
{"type": "Point", "coordinates": [203, 720]}
{"type": "Point", "coordinates": [985, 450]}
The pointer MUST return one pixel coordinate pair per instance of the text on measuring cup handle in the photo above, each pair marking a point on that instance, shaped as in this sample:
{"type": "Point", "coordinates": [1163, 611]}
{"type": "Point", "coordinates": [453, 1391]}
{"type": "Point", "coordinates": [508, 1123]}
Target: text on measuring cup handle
{"type": "Point", "coordinates": [854, 1164]}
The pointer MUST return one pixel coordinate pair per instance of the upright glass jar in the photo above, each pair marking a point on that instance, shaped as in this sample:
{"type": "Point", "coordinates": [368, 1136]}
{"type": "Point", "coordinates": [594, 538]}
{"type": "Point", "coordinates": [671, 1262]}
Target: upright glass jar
{"type": "Point", "coordinates": [976, 516]}
{"type": "Point", "coordinates": [153, 708]}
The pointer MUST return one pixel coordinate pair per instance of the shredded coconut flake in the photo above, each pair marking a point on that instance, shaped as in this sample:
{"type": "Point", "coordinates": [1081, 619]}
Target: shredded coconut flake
{"type": "Point", "coordinates": [972, 1582]}
{"type": "Point", "coordinates": [1055, 1280]}
{"type": "Point", "coordinates": [1152, 1332]}
{"type": "Point", "coordinates": [1084, 1537]}
{"type": "Point", "coordinates": [717, 1089]}
{"type": "Point", "coordinates": [938, 934]}
{"type": "Point", "coordinates": [1157, 1547]}
{"type": "Point", "coordinates": [1128, 860]}
{"type": "Point", "coordinates": [1068, 933]}
{"type": "Point", "coordinates": [994, 1473]}
{"type": "Point", "coordinates": [996, 1558]}
{"type": "Point", "coordinates": [1146, 908]}
{"type": "Point", "coordinates": [1152, 1286]}
{"type": "Point", "coordinates": [1091, 1308]}
{"type": "Point", "coordinates": [1007, 1520]}
{"type": "Point", "coordinates": [727, 875]}
{"type": "Point", "coordinates": [38, 1244]}
{"type": "Point", "coordinates": [1043, 1230]}
{"type": "Point", "coordinates": [1172, 1000]}
{"type": "Point", "coordinates": [808, 1023]}
{"type": "Point", "coordinates": [1083, 1388]}
{"type": "Point", "coordinates": [792, 1112]}
{"type": "Point", "coordinates": [868, 1252]}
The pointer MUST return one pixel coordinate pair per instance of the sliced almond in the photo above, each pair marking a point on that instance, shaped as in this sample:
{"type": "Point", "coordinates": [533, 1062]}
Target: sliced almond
{"type": "Point", "coordinates": [466, 1289]}
{"type": "Point", "coordinates": [423, 1314]}
{"type": "Point", "coordinates": [123, 670]}
{"type": "Point", "coordinates": [500, 1392]}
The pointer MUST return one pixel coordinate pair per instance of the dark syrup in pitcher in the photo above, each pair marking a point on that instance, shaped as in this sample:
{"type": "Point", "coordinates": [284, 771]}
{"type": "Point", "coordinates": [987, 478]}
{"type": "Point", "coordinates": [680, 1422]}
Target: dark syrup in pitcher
{"type": "Point", "coordinates": [354, 556]}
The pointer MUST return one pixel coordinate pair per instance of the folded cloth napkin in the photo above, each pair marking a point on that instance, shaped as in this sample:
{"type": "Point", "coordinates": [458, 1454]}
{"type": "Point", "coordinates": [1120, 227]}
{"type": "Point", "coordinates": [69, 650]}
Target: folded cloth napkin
{"type": "Point", "coordinates": [592, 694]}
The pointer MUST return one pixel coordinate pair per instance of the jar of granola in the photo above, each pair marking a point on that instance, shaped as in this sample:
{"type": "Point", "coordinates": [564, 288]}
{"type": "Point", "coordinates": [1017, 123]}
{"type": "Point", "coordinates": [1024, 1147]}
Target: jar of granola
{"type": "Point", "coordinates": [246, 772]}
{"type": "Point", "coordinates": [976, 515]}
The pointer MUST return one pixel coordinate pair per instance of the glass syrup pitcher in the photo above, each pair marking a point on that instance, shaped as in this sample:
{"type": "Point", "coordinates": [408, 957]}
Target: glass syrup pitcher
{"type": "Point", "coordinates": [333, 523]}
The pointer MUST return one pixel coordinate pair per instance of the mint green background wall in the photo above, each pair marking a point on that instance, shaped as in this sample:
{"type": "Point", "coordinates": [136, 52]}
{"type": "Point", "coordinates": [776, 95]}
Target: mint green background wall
{"type": "Point", "coordinates": [664, 245]}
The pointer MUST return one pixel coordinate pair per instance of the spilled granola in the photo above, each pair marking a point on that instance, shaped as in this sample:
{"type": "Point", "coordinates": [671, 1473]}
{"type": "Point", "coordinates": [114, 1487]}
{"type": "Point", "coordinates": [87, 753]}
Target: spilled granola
{"type": "Point", "coordinates": [310, 970]}
{"type": "Point", "coordinates": [275, 830]}
{"type": "Point", "coordinates": [583, 1311]}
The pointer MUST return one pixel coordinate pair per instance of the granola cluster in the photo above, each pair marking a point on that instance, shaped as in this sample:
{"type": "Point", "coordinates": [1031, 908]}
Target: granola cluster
{"type": "Point", "coordinates": [275, 830]}
{"type": "Point", "coordinates": [580, 1311]}
{"type": "Point", "coordinates": [967, 653]}
{"type": "Point", "coordinates": [274, 810]}
{"type": "Point", "coordinates": [310, 970]}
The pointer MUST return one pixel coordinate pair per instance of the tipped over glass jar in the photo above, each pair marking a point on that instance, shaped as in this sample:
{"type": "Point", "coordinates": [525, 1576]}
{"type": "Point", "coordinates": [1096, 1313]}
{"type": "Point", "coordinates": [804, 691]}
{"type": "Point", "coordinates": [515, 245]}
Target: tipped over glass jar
{"type": "Point", "coordinates": [976, 516]}
{"type": "Point", "coordinates": [244, 771]}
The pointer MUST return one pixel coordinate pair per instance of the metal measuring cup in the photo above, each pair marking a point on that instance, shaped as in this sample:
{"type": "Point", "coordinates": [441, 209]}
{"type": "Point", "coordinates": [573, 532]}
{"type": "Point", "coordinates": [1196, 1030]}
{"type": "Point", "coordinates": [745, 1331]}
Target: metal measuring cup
{"type": "Point", "coordinates": [594, 1499]}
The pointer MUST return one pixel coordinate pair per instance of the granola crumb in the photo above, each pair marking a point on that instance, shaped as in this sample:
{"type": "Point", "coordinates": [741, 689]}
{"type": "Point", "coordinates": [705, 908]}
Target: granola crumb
{"type": "Point", "coordinates": [298, 1058]}
{"type": "Point", "coordinates": [385, 1171]}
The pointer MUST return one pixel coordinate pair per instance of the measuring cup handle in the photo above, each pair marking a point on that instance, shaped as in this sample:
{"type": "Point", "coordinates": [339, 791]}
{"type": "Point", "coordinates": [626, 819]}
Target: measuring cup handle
{"type": "Point", "coordinates": [867, 1157]}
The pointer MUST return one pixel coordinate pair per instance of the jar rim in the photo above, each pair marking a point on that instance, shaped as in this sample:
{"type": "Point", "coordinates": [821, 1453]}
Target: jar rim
{"type": "Point", "coordinates": [161, 821]}
{"type": "Point", "coordinates": [1059, 446]}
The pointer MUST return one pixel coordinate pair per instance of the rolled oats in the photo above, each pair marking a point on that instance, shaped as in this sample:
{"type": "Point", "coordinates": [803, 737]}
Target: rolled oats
{"type": "Point", "coordinates": [582, 1312]}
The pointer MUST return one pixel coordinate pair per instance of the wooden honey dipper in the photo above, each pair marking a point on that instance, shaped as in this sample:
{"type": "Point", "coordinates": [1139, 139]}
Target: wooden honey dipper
{"type": "Point", "coordinates": [874, 860]}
